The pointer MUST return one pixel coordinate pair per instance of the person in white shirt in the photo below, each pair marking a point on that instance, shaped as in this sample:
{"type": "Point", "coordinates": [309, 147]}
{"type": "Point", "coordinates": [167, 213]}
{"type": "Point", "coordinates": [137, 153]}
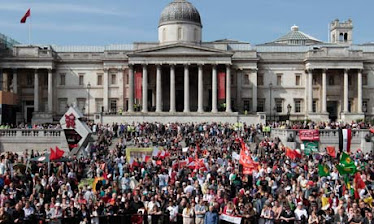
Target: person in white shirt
{"type": "Point", "coordinates": [300, 212]}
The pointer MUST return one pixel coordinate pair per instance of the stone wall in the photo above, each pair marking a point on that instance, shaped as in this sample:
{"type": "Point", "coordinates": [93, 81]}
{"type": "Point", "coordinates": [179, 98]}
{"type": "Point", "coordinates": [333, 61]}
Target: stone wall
{"type": "Point", "coordinates": [17, 140]}
{"type": "Point", "coordinates": [181, 118]}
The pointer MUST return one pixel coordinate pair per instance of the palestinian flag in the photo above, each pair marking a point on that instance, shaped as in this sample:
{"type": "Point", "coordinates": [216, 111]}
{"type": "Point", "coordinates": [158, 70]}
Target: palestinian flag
{"type": "Point", "coordinates": [345, 137]}
{"type": "Point", "coordinates": [323, 170]}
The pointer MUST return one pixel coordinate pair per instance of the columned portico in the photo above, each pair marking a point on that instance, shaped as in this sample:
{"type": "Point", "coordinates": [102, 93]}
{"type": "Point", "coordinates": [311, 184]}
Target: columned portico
{"type": "Point", "coordinates": [186, 89]}
{"type": "Point", "coordinates": [345, 91]}
{"type": "Point", "coordinates": [145, 90]}
{"type": "Point", "coordinates": [50, 91]}
{"type": "Point", "coordinates": [214, 89]}
{"type": "Point", "coordinates": [359, 93]}
{"type": "Point", "coordinates": [15, 81]}
{"type": "Point", "coordinates": [324, 94]}
{"type": "Point", "coordinates": [310, 91]}
{"type": "Point", "coordinates": [200, 90]}
{"type": "Point", "coordinates": [131, 89]}
{"type": "Point", "coordinates": [172, 89]}
{"type": "Point", "coordinates": [36, 91]}
{"type": "Point", "coordinates": [228, 88]}
{"type": "Point", "coordinates": [106, 90]}
{"type": "Point", "coordinates": [158, 89]}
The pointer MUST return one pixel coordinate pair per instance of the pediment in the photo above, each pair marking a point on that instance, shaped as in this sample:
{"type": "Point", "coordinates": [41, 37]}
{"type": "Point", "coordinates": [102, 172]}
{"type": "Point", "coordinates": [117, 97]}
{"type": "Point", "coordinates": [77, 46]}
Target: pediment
{"type": "Point", "coordinates": [180, 49]}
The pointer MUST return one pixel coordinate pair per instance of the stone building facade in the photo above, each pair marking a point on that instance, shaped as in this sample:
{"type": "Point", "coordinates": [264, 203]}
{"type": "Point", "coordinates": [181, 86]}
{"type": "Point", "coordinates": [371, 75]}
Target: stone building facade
{"type": "Point", "coordinates": [294, 77]}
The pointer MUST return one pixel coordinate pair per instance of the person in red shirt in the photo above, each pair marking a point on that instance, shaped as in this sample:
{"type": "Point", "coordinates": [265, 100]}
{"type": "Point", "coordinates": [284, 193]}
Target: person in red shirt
{"type": "Point", "coordinates": [81, 199]}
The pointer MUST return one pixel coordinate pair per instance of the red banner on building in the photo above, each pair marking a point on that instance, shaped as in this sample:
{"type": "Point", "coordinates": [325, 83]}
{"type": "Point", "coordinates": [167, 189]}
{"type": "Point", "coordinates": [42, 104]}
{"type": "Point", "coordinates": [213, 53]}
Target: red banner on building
{"type": "Point", "coordinates": [221, 85]}
{"type": "Point", "coordinates": [309, 135]}
{"type": "Point", "coordinates": [138, 85]}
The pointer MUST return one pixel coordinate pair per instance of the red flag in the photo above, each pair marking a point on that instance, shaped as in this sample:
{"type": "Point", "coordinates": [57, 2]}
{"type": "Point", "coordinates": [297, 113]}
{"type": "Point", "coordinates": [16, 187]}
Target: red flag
{"type": "Point", "coordinates": [52, 155]}
{"type": "Point", "coordinates": [359, 183]}
{"type": "Point", "coordinates": [331, 151]}
{"type": "Point", "coordinates": [290, 153]}
{"type": "Point", "coordinates": [27, 14]}
{"type": "Point", "coordinates": [372, 130]}
{"type": "Point", "coordinates": [59, 153]}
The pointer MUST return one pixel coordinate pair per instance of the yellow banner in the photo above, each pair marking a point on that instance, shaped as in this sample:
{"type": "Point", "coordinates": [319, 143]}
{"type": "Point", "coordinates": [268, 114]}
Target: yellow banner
{"type": "Point", "coordinates": [138, 153]}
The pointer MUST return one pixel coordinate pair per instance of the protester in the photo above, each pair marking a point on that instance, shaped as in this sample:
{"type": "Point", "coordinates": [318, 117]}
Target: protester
{"type": "Point", "coordinates": [194, 175]}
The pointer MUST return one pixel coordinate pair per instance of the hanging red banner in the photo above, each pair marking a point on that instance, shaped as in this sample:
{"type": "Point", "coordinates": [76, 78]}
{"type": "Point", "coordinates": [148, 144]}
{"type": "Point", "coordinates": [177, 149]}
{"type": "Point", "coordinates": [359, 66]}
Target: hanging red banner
{"type": "Point", "coordinates": [138, 85]}
{"type": "Point", "coordinates": [221, 85]}
{"type": "Point", "coordinates": [309, 135]}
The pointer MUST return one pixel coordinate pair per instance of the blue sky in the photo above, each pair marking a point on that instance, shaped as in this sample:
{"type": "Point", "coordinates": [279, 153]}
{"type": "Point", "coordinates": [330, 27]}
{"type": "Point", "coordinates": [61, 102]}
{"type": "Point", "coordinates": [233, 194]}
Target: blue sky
{"type": "Point", "coordinates": [102, 22]}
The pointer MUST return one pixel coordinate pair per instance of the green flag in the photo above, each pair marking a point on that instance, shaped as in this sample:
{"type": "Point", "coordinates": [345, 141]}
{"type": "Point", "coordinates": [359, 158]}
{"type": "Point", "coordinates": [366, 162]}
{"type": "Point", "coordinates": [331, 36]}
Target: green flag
{"type": "Point", "coordinates": [323, 170]}
{"type": "Point", "coordinates": [351, 169]}
{"type": "Point", "coordinates": [346, 165]}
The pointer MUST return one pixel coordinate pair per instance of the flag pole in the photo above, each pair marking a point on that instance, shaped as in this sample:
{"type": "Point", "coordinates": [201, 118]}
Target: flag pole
{"type": "Point", "coordinates": [30, 30]}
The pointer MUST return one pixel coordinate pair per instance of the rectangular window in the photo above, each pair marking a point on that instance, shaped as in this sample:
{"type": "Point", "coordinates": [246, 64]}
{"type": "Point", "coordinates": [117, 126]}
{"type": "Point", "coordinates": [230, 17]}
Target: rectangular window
{"type": "Point", "coordinates": [349, 80]}
{"type": "Point", "coordinates": [127, 78]}
{"type": "Point", "coordinates": [297, 106]}
{"type": "Point", "coordinates": [247, 104]}
{"type": "Point", "coordinates": [364, 79]}
{"type": "Point", "coordinates": [261, 105]}
{"type": "Point", "coordinates": [260, 79]}
{"type": "Point", "coordinates": [314, 81]}
{"type": "Point", "coordinates": [232, 78]}
{"type": "Point", "coordinates": [314, 106]}
{"type": "Point", "coordinates": [99, 105]}
{"type": "Point", "coordinates": [62, 79]}
{"type": "Point", "coordinates": [349, 105]}
{"type": "Point", "coordinates": [298, 78]}
{"type": "Point", "coordinates": [81, 103]}
{"type": "Point", "coordinates": [246, 79]}
{"type": "Point", "coordinates": [81, 79]}
{"type": "Point", "coordinates": [365, 106]}
{"type": "Point", "coordinates": [113, 79]}
{"type": "Point", "coordinates": [100, 79]}
{"type": "Point", "coordinates": [62, 105]}
{"type": "Point", "coordinates": [279, 105]}
{"type": "Point", "coordinates": [279, 79]}
{"type": "Point", "coordinates": [113, 105]}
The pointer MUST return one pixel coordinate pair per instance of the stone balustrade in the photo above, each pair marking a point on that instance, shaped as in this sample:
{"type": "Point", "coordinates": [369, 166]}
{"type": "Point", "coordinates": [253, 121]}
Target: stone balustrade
{"type": "Point", "coordinates": [327, 137]}
{"type": "Point", "coordinates": [17, 140]}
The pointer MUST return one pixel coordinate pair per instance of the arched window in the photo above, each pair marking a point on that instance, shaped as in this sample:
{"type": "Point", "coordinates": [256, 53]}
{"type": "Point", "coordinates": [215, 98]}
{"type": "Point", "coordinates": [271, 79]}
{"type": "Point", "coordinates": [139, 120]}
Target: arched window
{"type": "Point", "coordinates": [179, 33]}
{"type": "Point", "coordinates": [341, 37]}
{"type": "Point", "coordinates": [345, 37]}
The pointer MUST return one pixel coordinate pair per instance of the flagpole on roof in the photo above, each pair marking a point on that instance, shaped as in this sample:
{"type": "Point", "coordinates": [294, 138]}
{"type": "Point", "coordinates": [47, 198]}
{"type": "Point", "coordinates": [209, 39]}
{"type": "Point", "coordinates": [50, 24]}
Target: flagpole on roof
{"type": "Point", "coordinates": [30, 30]}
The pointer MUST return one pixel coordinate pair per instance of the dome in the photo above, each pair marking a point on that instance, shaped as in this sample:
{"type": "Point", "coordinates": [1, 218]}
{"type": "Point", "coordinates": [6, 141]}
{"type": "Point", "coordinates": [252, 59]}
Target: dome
{"type": "Point", "coordinates": [180, 11]}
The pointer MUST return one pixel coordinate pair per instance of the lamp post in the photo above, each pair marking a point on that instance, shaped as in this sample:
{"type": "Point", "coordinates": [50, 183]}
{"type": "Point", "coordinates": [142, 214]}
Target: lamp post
{"type": "Point", "coordinates": [88, 100]}
{"type": "Point", "coordinates": [270, 88]}
{"type": "Point", "coordinates": [289, 107]}
{"type": "Point", "coordinates": [275, 112]}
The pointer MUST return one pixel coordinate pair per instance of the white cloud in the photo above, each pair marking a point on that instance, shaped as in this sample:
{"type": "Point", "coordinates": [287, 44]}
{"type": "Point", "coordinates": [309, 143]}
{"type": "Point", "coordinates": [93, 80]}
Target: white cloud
{"type": "Point", "coordinates": [51, 8]}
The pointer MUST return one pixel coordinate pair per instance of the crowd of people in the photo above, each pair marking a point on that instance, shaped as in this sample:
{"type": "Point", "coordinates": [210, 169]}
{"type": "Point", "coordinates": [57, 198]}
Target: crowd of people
{"type": "Point", "coordinates": [162, 189]}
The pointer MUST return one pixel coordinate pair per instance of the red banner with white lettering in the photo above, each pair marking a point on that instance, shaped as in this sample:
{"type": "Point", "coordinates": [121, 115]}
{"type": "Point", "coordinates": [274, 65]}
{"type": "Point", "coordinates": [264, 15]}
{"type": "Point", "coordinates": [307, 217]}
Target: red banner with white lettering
{"type": "Point", "coordinates": [138, 85]}
{"type": "Point", "coordinates": [309, 135]}
{"type": "Point", "coordinates": [221, 85]}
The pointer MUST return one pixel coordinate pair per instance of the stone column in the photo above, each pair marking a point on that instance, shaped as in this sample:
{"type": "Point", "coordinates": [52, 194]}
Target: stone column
{"type": "Point", "coordinates": [50, 91]}
{"type": "Point", "coordinates": [145, 90]}
{"type": "Point", "coordinates": [15, 81]}
{"type": "Point", "coordinates": [158, 90]}
{"type": "Point", "coordinates": [172, 88]}
{"type": "Point", "coordinates": [359, 93]}
{"type": "Point", "coordinates": [310, 91]}
{"type": "Point", "coordinates": [200, 89]}
{"type": "Point", "coordinates": [228, 89]}
{"type": "Point", "coordinates": [324, 93]}
{"type": "Point", "coordinates": [131, 89]}
{"type": "Point", "coordinates": [345, 91]}
{"type": "Point", "coordinates": [254, 92]}
{"type": "Point", "coordinates": [5, 81]}
{"type": "Point", "coordinates": [214, 89]}
{"type": "Point", "coordinates": [186, 89]}
{"type": "Point", "coordinates": [36, 91]}
{"type": "Point", "coordinates": [106, 90]}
